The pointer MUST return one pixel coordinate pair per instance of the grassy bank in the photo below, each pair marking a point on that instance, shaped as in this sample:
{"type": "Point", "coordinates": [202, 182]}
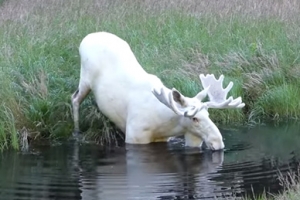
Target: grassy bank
{"type": "Point", "coordinates": [253, 43]}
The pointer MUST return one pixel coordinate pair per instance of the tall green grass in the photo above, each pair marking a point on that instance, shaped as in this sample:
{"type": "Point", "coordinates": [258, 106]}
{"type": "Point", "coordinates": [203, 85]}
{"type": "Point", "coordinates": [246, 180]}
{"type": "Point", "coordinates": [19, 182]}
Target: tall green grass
{"type": "Point", "coordinates": [253, 43]}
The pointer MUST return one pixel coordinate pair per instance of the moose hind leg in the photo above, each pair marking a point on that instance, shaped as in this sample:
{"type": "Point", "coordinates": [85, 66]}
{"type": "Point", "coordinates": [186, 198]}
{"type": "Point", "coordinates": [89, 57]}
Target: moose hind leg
{"type": "Point", "coordinates": [77, 97]}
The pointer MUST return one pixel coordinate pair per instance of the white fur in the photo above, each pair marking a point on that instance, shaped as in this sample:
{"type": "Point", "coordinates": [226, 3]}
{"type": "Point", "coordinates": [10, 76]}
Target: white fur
{"type": "Point", "coordinates": [123, 92]}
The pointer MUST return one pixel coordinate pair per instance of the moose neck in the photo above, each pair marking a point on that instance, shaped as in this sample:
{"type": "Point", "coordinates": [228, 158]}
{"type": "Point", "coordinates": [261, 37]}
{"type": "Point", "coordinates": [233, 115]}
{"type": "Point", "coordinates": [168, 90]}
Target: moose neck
{"type": "Point", "coordinates": [167, 123]}
{"type": "Point", "coordinates": [170, 127]}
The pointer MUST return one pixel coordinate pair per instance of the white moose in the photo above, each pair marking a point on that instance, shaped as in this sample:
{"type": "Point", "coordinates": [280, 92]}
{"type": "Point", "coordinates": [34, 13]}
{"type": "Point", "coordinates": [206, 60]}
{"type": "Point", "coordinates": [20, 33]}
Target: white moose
{"type": "Point", "coordinates": [139, 104]}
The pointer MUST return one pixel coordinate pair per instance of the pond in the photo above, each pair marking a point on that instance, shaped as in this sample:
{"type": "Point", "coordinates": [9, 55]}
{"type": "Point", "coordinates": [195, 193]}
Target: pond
{"type": "Point", "coordinates": [249, 165]}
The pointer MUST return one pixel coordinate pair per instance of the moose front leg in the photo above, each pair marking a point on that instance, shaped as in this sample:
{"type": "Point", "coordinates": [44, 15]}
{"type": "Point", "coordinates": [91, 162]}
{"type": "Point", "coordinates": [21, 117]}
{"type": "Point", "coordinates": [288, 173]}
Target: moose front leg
{"type": "Point", "coordinates": [192, 140]}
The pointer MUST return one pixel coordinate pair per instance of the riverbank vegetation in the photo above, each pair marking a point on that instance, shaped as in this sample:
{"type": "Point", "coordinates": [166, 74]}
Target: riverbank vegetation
{"type": "Point", "coordinates": [253, 43]}
{"type": "Point", "coordinates": [290, 184]}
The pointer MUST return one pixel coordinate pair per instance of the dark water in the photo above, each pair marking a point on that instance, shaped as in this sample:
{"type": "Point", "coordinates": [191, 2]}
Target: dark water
{"type": "Point", "coordinates": [249, 165]}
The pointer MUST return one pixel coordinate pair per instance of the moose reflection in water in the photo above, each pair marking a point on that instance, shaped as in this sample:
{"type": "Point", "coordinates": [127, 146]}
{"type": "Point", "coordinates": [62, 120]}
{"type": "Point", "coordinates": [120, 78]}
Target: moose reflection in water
{"type": "Point", "coordinates": [152, 171]}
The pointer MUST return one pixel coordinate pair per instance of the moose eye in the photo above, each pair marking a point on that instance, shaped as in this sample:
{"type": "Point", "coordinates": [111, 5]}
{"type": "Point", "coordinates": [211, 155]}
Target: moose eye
{"type": "Point", "coordinates": [195, 119]}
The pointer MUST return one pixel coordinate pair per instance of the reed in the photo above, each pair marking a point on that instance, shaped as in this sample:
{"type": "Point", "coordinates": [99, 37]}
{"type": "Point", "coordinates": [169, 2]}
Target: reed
{"type": "Point", "coordinates": [290, 183]}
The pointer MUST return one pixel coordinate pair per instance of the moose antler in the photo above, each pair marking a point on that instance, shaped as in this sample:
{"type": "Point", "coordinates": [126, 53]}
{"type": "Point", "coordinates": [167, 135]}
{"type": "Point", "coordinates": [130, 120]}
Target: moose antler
{"type": "Point", "coordinates": [217, 94]}
{"type": "Point", "coordinates": [212, 87]}
{"type": "Point", "coordinates": [165, 96]}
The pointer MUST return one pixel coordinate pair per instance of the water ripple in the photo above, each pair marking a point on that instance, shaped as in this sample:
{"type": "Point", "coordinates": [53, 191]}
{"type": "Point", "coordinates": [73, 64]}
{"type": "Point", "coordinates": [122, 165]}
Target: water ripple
{"type": "Point", "coordinates": [249, 164]}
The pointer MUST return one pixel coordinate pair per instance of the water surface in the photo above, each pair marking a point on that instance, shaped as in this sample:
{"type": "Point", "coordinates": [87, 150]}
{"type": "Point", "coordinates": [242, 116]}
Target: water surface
{"type": "Point", "coordinates": [249, 165]}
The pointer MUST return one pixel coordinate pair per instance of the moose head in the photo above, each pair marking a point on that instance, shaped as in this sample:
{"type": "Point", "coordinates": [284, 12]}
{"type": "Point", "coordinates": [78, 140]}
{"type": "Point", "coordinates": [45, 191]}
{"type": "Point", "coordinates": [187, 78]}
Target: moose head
{"type": "Point", "coordinates": [195, 110]}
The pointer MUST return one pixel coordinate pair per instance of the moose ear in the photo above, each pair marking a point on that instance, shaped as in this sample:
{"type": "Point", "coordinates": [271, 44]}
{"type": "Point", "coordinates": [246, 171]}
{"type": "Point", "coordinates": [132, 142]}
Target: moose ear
{"type": "Point", "coordinates": [178, 97]}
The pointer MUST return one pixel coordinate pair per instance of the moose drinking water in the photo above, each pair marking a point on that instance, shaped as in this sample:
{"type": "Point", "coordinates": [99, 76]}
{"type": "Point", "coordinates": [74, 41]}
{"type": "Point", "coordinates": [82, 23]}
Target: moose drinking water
{"type": "Point", "coordinates": [139, 104]}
